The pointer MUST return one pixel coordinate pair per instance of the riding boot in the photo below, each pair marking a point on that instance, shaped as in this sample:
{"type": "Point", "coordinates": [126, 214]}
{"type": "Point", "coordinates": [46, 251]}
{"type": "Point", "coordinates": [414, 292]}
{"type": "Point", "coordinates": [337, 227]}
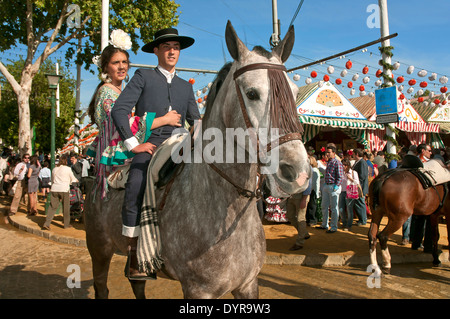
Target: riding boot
{"type": "Point", "coordinates": [132, 266]}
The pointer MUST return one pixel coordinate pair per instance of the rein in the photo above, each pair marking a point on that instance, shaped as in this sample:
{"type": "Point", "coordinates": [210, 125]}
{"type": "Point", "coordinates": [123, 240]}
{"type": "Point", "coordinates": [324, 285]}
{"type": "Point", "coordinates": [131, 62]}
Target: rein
{"type": "Point", "coordinates": [283, 116]}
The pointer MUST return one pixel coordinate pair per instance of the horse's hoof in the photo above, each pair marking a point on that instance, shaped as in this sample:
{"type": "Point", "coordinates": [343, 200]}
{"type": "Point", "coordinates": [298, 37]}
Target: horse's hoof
{"type": "Point", "coordinates": [386, 271]}
{"type": "Point", "coordinates": [437, 264]}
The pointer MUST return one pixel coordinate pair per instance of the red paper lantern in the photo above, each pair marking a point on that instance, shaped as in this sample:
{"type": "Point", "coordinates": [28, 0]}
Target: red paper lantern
{"type": "Point", "coordinates": [436, 101]}
{"type": "Point", "coordinates": [313, 74]}
{"type": "Point", "coordinates": [326, 78]}
{"type": "Point", "coordinates": [350, 85]}
{"type": "Point", "coordinates": [420, 99]}
{"type": "Point", "coordinates": [349, 64]}
{"type": "Point", "coordinates": [443, 89]}
{"type": "Point", "coordinates": [412, 82]}
{"type": "Point", "coordinates": [378, 74]}
{"type": "Point", "coordinates": [362, 88]}
{"type": "Point", "coordinates": [423, 84]}
{"type": "Point", "coordinates": [444, 102]}
{"type": "Point", "coordinates": [365, 70]}
{"type": "Point", "coordinates": [200, 100]}
{"type": "Point", "coordinates": [401, 96]}
{"type": "Point", "coordinates": [192, 81]}
{"type": "Point", "coordinates": [338, 81]}
{"type": "Point", "coordinates": [400, 79]}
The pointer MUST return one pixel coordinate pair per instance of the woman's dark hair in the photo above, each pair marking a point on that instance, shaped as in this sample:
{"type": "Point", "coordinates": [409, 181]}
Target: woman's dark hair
{"type": "Point", "coordinates": [345, 161]}
{"type": "Point", "coordinates": [63, 160]}
{"type": "Point", "coordinates": [34, 160]}
{"type": "Point", "coordinates": [106, 56]}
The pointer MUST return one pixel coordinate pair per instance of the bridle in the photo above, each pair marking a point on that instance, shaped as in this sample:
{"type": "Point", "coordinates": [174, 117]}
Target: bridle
{"type": "Point", "coordinates": [276, 73]}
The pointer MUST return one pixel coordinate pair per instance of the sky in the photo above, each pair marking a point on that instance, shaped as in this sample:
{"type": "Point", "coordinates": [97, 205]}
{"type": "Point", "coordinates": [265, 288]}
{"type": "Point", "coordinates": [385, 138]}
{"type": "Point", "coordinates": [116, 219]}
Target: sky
{"type": "Point", "coordinates": [322, 28]}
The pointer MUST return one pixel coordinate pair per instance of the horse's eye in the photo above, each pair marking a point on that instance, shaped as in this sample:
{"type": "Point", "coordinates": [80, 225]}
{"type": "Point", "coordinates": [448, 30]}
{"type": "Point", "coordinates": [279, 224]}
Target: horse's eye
{"type": "Point", "coordinates": [252, 94]}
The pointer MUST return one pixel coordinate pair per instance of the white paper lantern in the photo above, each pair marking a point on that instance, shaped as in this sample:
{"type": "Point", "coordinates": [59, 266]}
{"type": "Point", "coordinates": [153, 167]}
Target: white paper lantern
{"type": "Point", "coordinates": [431, 95]}
{"type": "Point", "coordinates": [355, 77]}
{"type": "Point", "coordinates": [296, 77]}
{"type": "Point", "coordinates": [321, 83]}
{"type": "Point", "coordinates": [205, 89]}
{"type": "Point", "coordinates": [366, 80]}
{"type": "Point", "coordinates": [432, 77]}
{"type": "Point", "coordinates": [422, 73]}
{"type": "Point", "coordinates": [443, 79]}
{"type": "Point", "coordinates": [308, 81]}
{"type": "Point", "coordinates": [378, 82]}
{"type": "Point", "coordinates": [344, 73]}
{"type": "Point", "coordinates": [400, 88]}
{"type": "Point", "coordinates": [420, 92]}
{"type": "Point", "coordinates": [432, 104]}
{"type": "Point", "coordinates": [330, 69]}
{"type": "Point", "coordinates": [198, 93]}
{"type": "Point", "coordinates": [410, 90]}
{"type": "Point", "coordinates": [362, 93]}
{"type": "Point", "coordinates": [209, 85]}
{"type": "Point", "coordinates": [352, 92]}
{"type": "Point", "coordinates": [396, 65]}
{"type": "Point", "coordinates": [425, 103]}
{"type": "Point", "coordinates": [371, 94]}
{"type": "Point", "coordinates": [410, 69]}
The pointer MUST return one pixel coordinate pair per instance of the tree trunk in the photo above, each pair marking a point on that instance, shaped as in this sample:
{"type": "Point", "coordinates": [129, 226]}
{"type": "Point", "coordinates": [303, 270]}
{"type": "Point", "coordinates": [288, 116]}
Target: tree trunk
{"type": "Point", "coordinates": [23, 101]}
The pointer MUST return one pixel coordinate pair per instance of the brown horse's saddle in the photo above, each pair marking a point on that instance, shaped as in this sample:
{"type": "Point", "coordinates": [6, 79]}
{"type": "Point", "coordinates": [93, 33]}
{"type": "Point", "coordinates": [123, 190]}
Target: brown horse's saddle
{"type": "Point", "coordinates": [430, 174]}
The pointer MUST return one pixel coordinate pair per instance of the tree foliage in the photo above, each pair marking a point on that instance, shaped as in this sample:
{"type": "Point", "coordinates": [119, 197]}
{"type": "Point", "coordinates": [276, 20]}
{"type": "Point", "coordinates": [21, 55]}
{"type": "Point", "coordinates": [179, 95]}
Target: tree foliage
{"type": "Point", "coordinates": [40, 107]}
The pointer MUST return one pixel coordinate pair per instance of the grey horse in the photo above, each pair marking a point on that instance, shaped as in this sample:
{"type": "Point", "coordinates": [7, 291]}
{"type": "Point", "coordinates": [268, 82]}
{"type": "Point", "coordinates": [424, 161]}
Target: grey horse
{"type": "Point", "coordinates": [212, 238]}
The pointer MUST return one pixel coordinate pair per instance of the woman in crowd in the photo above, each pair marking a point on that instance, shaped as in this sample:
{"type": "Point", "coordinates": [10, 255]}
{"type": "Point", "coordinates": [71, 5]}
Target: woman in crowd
{"type": "Point", "coordinates": [33, 184]}
{"type": "Point", "coordinates": [45, 176]}
{"type": "Point", "coordinates": [311, 211]}
{"type": "Point", "coordinates": [347, 194]}
{"type": "Point", "coordinates": [62, 178]}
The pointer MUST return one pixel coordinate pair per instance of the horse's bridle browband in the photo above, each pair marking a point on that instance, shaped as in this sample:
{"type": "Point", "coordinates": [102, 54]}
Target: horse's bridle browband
{"type": "Point", "coordinates": [285, 138]}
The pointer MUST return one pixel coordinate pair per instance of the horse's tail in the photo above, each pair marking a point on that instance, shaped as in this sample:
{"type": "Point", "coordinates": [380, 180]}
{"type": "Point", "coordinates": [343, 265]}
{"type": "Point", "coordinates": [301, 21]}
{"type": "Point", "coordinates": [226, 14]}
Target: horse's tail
{"type": "Point", "coordinates": [375, 188]}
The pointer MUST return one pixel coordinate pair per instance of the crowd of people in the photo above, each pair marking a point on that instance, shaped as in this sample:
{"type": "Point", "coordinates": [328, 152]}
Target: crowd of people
{"type": "Point", "coordinates": [22, 178]}
{"type": "Point", "coordinates": [338, 193]}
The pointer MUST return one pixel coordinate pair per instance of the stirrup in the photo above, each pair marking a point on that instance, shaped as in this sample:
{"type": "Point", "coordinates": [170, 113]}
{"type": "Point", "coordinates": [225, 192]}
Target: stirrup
{"type": "Point", "coordinates": [145, 276]}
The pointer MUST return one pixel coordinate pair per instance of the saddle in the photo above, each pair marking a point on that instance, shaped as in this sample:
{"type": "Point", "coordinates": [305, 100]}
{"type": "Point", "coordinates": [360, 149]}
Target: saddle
{"type": "Point", "coordinates": [429, 174]}
{"type": "Point", "coordinates": [162, 165]}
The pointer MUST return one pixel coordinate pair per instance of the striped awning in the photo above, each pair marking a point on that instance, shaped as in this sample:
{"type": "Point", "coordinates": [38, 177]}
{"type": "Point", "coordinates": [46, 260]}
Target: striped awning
{"type": "Point", "coordinates": [417, 127]}
{"type": "Point", "coordinates": [340, 123]}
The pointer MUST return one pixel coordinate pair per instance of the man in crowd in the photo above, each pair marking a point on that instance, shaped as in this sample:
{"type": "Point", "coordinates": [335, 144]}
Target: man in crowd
{"type": "Point", "coordinates": [334, 175]}
{"type": "Point", "coordinates": [20, 171]}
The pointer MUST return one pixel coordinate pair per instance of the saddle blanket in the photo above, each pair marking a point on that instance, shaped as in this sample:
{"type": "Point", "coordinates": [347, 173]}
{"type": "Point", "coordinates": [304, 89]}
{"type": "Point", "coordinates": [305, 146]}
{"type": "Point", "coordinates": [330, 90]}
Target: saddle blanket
{"type": "Point", "coordinates": [435, 172]}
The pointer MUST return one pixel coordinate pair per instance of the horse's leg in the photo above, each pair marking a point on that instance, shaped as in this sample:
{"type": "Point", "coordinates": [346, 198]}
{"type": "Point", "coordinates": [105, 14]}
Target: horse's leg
{"type": "Point", "coordinates": [138, 287]}
{"type": "Point", "coordinates": [395, 222]}
{"type": "Point", "coordinates": [247, 291]}
{"type": "Point", "coordinates": [434, 220]}
{"type": "Point", "coordinates": [377, 215]}
{"type": "Point", "coordinates": [101, 259]}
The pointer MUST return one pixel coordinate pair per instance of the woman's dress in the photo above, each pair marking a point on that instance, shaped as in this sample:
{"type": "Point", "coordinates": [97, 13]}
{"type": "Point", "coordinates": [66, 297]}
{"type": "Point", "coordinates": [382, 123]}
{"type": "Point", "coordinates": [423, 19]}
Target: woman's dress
{"type": "Point", "coordinates": [108, 149]}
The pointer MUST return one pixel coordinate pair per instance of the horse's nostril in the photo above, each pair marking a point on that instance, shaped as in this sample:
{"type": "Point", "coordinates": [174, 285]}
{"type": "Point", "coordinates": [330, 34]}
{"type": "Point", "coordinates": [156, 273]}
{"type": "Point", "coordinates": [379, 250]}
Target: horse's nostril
{"type": "Point", "coordinates": [288, 172]}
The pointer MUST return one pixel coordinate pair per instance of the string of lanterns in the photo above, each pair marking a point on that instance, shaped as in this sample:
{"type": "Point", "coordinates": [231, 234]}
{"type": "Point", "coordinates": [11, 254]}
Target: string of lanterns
{"type": "Point", "coordinates": [400, 80]}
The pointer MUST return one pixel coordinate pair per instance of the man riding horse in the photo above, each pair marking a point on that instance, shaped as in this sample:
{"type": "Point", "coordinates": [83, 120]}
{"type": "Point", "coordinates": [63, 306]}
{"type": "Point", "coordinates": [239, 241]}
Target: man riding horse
{"type": "Point", "coordinates": [161, 91]}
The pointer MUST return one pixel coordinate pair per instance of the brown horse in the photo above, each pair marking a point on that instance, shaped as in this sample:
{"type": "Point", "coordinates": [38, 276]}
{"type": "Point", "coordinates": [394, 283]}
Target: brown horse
{"type": "Point", "coordinates": [398, 194]}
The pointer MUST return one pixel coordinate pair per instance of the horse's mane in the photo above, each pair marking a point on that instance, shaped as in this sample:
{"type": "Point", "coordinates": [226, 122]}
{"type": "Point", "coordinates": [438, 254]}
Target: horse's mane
{"type": "Point", "coordinates": [215, 87]}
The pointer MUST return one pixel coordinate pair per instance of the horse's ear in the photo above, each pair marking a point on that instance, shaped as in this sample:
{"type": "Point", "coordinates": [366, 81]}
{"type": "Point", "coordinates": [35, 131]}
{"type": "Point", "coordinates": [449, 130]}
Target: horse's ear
{"type": "Point", "coordinates": [284, 48]}
{"type": "Point", "coordinates": [235, 46]}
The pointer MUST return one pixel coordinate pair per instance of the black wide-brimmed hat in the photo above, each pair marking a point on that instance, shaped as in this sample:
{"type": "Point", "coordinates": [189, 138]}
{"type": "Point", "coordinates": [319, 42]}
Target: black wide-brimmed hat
{"type": "Point", "coordinates": [165, 35]}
